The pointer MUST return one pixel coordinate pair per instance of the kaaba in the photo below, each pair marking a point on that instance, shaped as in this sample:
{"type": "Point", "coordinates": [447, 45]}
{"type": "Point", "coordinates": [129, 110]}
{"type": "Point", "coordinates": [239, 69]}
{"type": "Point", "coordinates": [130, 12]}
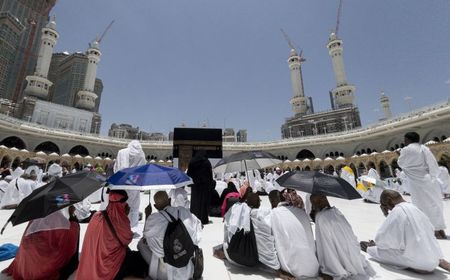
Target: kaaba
{"type": "Point", "coordinates": [187, 141]}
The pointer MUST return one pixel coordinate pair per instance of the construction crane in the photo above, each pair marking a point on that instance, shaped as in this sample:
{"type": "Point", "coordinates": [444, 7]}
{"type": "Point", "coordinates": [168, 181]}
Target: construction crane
{"type": "Point", "coordinates": [99, 39]}
{"type": "Point", "coordinates": [32, 22]}
{"type": "Point", "coordinates": [291, 45]}
{"type": "Point", "coordinates": [338, 17]}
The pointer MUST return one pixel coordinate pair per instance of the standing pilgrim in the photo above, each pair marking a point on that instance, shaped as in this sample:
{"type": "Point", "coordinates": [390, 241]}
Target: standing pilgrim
{"type": "Point", "coordinates": [200, 170]}
{"type": "Point", "coordinates": [421, 169]}
{"type": "Point", "coordinates": [131, 156]}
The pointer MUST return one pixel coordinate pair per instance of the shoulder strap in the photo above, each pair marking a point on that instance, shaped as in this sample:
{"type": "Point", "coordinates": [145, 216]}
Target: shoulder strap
{"type": "Point", "coordinates": [111, 227]}
{"type": "Point", "coordinates": [171, 218]}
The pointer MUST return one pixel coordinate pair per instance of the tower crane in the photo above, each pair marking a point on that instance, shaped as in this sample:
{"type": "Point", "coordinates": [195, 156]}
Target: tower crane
{"type": "Point", "coordinates": [32, 22]}
{"type": "Point", "coordinates": [99, 39]}
{"type": "Point", "coordinates": [338, 18]}
{"type": "Point", "coordinates": [291, 45]}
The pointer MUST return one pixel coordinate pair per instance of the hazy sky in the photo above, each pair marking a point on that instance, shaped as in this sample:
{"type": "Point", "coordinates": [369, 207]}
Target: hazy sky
{"type": "Point", "coordinates": [224, 62]}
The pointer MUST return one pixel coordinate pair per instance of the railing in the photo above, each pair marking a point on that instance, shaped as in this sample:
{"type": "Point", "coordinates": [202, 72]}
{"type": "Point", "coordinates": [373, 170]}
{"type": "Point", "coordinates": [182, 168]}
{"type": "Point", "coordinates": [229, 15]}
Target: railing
{"type": "Point", "coordinates": [416, 113]}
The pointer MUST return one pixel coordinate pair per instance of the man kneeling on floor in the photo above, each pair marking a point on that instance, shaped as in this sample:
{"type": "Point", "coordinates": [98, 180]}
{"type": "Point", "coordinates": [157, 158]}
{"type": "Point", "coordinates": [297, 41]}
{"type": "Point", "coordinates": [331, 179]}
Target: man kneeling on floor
{"type": "Point", "coordinates": [170, 241]}
{"type": "Point", "coordinates": [406, 238]}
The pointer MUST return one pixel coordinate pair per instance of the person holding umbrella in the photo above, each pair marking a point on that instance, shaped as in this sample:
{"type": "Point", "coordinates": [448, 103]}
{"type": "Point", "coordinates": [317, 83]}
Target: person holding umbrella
{"type": "Point", "coordinates": [48, 249]}
{"type": "Point", "coordinates": [338, 253]}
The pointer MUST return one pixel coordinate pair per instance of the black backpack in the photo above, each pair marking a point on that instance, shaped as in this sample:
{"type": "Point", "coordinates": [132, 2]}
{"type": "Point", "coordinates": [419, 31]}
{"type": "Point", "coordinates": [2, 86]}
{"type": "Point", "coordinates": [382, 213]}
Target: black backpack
{"type": "Point", "coordinates": [178, 245]}
{"type": "Point", "coordinates": [242, 247]}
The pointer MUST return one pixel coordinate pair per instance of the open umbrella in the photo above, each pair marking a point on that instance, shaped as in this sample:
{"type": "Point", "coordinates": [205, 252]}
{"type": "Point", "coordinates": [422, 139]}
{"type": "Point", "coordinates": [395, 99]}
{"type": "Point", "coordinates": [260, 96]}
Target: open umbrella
{"type": "Point", "coordinates": [245, 161]}
{"type": "Point", "coordinates": [57, 194]}
{"type": "Point", "coordinates": [314, 182]}
{"type": "Point", "coordinates": [149, 177]}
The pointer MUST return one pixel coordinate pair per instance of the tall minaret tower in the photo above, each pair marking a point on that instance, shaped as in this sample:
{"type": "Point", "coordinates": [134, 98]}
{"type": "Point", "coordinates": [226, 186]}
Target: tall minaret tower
{"type": "Point", "coordinates": [38, 85]}
{"type": "Point", "coordinates": [86, 97]}
{"type": "Point", "coordinates": [343, 93]}
{"type": "Point", "coordinates": [384, 100]}
{"type": "Point", "coordinates": [298, 101]}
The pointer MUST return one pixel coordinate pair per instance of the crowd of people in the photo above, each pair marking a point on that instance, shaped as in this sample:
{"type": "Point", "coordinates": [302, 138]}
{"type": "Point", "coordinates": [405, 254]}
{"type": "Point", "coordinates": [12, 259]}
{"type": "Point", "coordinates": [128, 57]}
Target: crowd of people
{"type": "Point", "coordinates": [297, 237]}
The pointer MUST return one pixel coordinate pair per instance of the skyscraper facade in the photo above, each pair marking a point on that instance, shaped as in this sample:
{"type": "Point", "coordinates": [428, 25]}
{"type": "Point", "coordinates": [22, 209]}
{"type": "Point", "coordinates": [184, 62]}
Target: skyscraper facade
{"type": "Point", "coordinates": [10, 30]}
{"type": "Point", "coordinates": [67, 72]}
{"type": "Point", "coordinates": [32, 15]}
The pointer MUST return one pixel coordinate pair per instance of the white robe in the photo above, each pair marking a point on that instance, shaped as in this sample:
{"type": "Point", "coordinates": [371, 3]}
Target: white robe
{"type": "Point", "coordinates": [83, 209]}
{"type": "Point", "coordinates": [3, 188]}
{"type": "Point", "coordinates": [131, 156]}
{"type": "Point", "coordinates": [338, 249]}
{"type": "Point", "coordinates": [294, 241]}
{"type": "Point", "coordinates": [13, 194]}
{"type": "Point", "coordinates": [444, 180]}
{"type": "Point", "coordinates": [17, 172]}
{"type": "Point", "coordinates": [406, 240]}
{"type": "Point", "coordinates": [179, 198]}
{"type": "Point", "coordinates": [265, 241]}
{"type": "Point", "coordinates": [154, 230]}
{"type": "Point", "coordinates": [422, 170]}
{"type": "Point", "coordinates": [220, 186]}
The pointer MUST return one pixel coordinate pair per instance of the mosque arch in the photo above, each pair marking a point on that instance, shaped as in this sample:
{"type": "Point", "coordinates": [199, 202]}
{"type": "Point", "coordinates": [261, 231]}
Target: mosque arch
{"type": "Point", "coordinates": [307, 168]}
{"type": "Point", "coordinates": [385, 171]}
{"type": "Point", "coordinates": [13, 141]}
{"type": "Point", "coordinates": [47, 147]}
{"type": "Point", "coordinates": [370, 164]}
{"type": "Point", "coordinates": [297, 168]}
{"type": "Point", "coordinates": [6, 161]}
{"type": "Point", "coordinates": [79, 150]}
{"type": "Point", "coordinates": [303, 154]}
{"type": "Point", "coordinates": [430, 135]}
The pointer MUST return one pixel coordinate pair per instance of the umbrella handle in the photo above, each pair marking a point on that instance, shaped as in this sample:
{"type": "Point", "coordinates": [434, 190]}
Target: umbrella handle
{"type": "Point", "coordinates": [4, 227]}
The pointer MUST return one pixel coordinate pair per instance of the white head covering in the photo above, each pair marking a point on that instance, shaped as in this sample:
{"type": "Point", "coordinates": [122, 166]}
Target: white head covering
{"type": "Point", "coordinates": [56, 220]}
{"type": "Point", "coordinates": [55, 170]}
{"type": "Point", "coordinates": [136, 154]}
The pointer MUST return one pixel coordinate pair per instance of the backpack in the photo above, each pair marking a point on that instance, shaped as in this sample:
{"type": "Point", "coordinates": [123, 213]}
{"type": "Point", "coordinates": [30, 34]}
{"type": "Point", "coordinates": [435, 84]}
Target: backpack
{"type": "Point", "coordinates": [242, 247]}
{"type": "Point", "coordinates": [178, 245]}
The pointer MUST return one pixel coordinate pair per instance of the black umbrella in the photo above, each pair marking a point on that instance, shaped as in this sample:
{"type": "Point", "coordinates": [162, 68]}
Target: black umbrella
{"type": "Point", "coordinates": [57, 194]}
{"type": "Point", "coordinates": [314, 182]}
{"type": "Point", "coordinates": [245, 161]}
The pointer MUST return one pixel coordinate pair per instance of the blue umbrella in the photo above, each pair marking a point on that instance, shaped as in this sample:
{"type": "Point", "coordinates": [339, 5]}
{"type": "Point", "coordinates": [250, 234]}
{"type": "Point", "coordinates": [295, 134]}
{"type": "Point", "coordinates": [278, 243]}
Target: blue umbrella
{"type": "Point", "coordinates": [149, 177]}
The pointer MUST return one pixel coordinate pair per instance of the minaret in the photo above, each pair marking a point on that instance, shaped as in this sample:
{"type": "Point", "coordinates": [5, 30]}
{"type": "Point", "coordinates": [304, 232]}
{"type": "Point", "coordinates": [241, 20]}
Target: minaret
{"type": "Point", "coordinates": [38, 85]}
{"type": "Point", "coordinates": [298, 101]}
{"type": "Point", "coordinates": [86, 97]}
{"type": "Point", "coordinates": [384, 100]}
{"type": "Point", "coordinates": [343, 93]}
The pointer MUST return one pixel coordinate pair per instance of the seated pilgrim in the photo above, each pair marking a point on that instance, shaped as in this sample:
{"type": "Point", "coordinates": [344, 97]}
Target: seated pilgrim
{"type": "Point", "coordinates": [338, 249]}
{"type": "Point", "coordinates": [48, 249]}
{"type": "Point", "coordinates": [105, 253]}
{"type": "Point", "coordinates": [406, 238]}
{"type": "Point", "coordinates": [294, 241]}
{"type": "Point", "coordinates": [17, 190]}
{"type": "Point", "coordinates": [151, 245]}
